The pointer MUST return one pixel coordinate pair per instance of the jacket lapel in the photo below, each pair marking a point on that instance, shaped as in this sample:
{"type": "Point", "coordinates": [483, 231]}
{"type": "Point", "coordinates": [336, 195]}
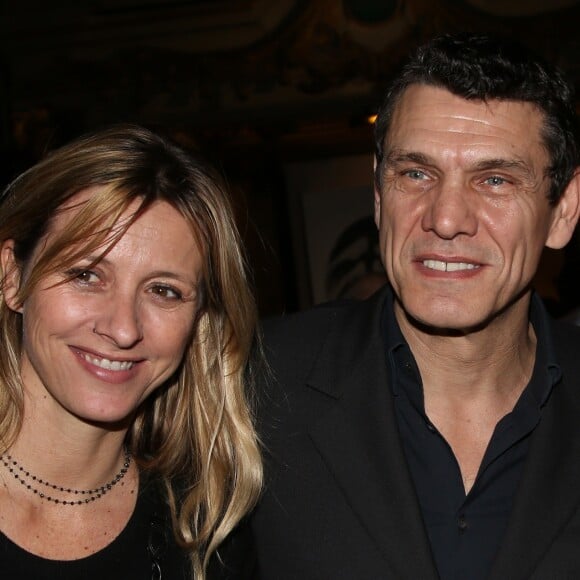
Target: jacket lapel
{"type": "Point", "coordinates": [550, 489]}
{"type": "Point", "coordinates": [359, 442]}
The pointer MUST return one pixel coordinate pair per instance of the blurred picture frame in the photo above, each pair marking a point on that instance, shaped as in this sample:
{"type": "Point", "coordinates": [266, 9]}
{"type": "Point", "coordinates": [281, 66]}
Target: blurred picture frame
{"type": "Point", "coordinates": [334, 238]}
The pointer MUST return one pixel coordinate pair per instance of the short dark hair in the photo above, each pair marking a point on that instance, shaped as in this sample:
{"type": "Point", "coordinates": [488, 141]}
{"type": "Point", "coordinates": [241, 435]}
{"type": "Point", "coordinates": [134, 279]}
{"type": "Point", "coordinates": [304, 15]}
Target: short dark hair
{"type": "Point", "coordinates": [480, 67]}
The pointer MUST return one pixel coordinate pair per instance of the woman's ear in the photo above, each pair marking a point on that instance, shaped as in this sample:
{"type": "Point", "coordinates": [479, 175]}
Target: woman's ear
{"type": "Point", "coordinates": [10, 276]}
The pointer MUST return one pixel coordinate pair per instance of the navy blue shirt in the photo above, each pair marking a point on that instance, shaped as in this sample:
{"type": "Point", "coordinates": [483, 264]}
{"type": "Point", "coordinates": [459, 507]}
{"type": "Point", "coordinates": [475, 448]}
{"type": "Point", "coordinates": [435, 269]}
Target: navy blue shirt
{"type": "Point", "coordinates": [465, 531]}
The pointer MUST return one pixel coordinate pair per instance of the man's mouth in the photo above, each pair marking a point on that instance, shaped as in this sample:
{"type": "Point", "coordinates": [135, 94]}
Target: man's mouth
{"type": "Point", "coordinates": [448, 266]}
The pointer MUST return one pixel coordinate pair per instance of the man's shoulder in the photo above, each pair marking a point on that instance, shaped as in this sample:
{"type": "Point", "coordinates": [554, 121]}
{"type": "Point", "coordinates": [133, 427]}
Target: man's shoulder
{"type": "Point", "coordinates": [305, 328]}
{"type": "Point", "coordinates": [294, 341]}
{"type": "Point", "coordinates": [316, 320]}
{"type": "Point", "coordinates": [566, 329]}
{"type": "Point", "coordinates": [566, 338]}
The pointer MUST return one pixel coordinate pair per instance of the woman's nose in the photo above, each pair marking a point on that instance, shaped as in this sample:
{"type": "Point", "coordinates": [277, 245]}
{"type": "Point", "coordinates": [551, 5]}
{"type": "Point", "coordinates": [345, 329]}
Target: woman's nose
{"type": "Point", "coordinates": [120, 320]}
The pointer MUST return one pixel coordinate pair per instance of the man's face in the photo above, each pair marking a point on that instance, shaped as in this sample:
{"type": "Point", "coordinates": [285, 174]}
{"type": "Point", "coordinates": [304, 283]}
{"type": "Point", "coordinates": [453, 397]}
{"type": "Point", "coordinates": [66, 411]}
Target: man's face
{"type": "Point", "coordinates": [462, 210]}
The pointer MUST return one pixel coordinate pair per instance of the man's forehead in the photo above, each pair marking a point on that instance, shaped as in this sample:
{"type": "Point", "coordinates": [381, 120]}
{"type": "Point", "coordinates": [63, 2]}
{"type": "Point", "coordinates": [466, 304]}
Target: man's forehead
{"type": "Point", "coordinates": [432, 108]}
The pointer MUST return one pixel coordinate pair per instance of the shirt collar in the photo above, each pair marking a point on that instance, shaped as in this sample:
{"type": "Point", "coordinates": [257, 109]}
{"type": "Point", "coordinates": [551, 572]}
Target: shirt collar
{"type": "Point", "coordinates": [547, 372]}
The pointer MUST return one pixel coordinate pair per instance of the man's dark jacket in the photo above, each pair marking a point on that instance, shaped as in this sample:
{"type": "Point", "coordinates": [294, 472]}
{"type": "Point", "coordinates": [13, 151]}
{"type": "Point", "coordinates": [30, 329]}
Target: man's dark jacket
{"type": "Point", "coordinates": [339, 502]}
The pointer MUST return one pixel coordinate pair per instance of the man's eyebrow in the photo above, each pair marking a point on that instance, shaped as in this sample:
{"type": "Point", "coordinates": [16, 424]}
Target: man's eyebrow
{"type": "Point", "coordinates": [501, 163]}
{"type": "Point", "coordinates": [401, 156]}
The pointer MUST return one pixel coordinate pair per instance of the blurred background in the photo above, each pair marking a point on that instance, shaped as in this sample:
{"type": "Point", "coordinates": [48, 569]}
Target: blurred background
{"type": "Point", "coordinates": [279, 94]}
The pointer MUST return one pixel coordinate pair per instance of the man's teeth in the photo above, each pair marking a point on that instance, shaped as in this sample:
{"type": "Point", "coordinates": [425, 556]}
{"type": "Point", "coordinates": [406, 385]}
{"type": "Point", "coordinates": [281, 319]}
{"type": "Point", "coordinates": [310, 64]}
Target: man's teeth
{"type": "Point", "coordinates": [448, 266]}
{"type": "Point", "coordinates": [110, 365]}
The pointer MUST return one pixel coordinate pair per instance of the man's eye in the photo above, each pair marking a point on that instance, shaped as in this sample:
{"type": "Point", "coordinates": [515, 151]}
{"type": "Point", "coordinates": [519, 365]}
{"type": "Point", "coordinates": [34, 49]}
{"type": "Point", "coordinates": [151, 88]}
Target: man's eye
{"type": "Point", "coordinates": [415, 174]}
{"type": "Point", "coordinates": [495, 180]}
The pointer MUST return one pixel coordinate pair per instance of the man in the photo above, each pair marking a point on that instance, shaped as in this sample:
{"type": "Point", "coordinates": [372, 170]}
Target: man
{"type": "Point", "coordinates": [433, 431]}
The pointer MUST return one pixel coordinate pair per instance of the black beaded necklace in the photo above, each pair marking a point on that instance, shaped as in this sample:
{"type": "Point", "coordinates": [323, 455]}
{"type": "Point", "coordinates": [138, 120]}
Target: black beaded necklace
{"type": "Point", "coordinates": [28, 480]}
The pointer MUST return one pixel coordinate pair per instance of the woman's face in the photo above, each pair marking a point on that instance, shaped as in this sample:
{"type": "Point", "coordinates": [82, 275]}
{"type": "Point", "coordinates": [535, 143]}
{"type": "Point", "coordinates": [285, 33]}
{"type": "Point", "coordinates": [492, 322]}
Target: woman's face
{"type": "Point", "coordinates": [96, 346]}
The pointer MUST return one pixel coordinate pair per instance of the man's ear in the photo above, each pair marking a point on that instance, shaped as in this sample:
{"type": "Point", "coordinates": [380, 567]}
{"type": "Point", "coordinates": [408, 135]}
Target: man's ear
{"type": "Point", "coordinates": [10, 276]}
{"type": "Point", "coordinates": [377, 195]}
{"type": "Point", "coordinates": [566, 215]}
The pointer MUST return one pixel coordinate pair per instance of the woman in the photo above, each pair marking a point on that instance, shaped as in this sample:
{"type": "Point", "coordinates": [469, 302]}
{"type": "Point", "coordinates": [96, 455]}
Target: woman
{"type": "Point", "coordinates": [126, 328]}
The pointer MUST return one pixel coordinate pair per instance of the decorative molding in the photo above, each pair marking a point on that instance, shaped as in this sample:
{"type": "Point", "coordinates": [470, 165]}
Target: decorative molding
{"type": "Point", "coordinates": [520, 7]}
{"type": "Point", "coordinates": [254, 65]}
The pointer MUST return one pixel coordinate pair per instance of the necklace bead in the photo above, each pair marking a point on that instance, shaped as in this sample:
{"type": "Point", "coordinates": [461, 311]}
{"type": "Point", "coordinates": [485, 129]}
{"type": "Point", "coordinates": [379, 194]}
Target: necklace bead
{"type": "Point", "coordinates": [24, 477]}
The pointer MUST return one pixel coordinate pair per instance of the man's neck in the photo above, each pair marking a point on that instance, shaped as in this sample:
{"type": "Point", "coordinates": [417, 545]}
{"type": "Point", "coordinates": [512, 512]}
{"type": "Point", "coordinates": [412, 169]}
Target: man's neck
{"type": "Point", "coordinates": [472, 380]}
{"type": "Point", "coordinates": [493, 360]}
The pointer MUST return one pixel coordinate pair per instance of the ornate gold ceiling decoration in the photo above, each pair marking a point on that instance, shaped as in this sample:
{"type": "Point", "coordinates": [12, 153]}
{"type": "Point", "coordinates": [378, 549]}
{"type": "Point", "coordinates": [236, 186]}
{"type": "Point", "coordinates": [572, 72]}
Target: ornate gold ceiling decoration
{"type": "Point", "coordinates": [206, 64]}
{"type": "Point", "coordinates": [520, 7]}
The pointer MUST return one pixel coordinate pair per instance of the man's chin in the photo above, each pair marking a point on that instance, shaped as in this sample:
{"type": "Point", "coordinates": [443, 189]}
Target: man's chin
{"type": "Point", "coordinates": [444, 321]}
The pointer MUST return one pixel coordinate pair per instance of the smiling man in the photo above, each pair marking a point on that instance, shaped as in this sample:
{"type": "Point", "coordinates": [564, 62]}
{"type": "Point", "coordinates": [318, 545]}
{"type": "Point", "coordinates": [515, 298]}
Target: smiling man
{"type": "Point", "coordinates": [433, 431]}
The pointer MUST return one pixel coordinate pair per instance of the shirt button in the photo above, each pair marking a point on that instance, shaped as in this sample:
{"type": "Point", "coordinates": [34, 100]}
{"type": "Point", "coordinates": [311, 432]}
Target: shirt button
{"type": "Point", "coordinates": [462, 523]}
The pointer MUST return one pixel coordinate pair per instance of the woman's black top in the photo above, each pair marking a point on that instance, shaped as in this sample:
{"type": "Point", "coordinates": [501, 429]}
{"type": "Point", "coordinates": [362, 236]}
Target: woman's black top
{"type": "Point", "coordinates": [144, 550]}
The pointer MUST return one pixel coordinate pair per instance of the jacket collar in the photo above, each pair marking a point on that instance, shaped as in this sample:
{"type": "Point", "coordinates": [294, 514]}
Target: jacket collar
{"type": "Point", "coordinates": [549, 493]}
{"type": "Point", "coordinates": [359, 441]}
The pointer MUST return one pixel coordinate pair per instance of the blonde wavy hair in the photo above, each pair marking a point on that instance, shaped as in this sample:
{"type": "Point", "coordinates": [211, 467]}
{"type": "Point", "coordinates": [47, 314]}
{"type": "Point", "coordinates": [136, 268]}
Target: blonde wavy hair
{"type": "Point", "coordinates": [196, 430]}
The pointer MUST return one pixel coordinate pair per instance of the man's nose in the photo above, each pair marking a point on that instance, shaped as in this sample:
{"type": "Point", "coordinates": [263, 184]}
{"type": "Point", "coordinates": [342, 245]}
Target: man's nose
{"type": "Point", "coordinates": [450, 211]}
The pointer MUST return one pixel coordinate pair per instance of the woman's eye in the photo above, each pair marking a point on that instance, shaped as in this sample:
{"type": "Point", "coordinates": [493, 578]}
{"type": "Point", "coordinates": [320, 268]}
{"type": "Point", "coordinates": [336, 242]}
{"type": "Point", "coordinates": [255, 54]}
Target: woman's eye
{"type": "Point", "coordinates": [167, 292]}
{"type": "Point", "coordinates": [83, 276]}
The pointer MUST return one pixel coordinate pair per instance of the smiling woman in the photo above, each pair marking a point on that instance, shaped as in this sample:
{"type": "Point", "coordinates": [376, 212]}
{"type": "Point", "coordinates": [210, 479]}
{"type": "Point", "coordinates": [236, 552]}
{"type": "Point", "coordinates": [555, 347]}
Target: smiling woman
{"type": "Point", "coordinates": [126, 324]}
